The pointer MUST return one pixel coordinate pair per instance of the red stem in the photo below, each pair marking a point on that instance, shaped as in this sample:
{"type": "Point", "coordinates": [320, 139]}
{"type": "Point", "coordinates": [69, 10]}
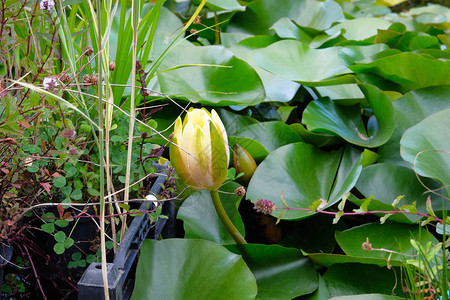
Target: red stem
{"type": "Point", "coordinates": [35, 273]}
{"type": "Point", "coordinates": [361, 213]}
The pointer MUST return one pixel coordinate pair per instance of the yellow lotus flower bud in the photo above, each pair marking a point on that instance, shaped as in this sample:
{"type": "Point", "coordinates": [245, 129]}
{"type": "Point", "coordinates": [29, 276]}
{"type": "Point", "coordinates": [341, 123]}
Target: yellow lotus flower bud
{"type": "Point", "coordinates": [243, 163]}
{"type": "Point", "coordinates": [199, 152]}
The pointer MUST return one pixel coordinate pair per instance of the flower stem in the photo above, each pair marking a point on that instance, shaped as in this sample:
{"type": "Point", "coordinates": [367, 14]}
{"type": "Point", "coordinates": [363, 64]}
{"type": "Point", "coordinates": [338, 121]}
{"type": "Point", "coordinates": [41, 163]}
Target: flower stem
{"type": "Point", "coordinates": [225, 220]}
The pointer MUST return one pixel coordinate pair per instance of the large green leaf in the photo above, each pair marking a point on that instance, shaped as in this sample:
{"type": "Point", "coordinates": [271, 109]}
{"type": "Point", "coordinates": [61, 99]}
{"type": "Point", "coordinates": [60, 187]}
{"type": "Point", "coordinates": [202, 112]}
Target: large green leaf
{"type": "Point", "coordinates": [281, 273]}
{"type": "Point", "coordinates": [360, 54]}
{"type": "Point", "coordinates": [409, 110]}
{"type": "Point", "coordinates": [435, 12]}
{"type": "Point", "coordinates": [277, 88]}
{"type": "Point", "coordinates": [234, 82]}
{"type": "Point", "coordinates": [391, 236]}
{"type": "Point", "coordinates": [343, 93]}
{"type": "Point", "coordinates": [229, 39]}
{"type": "Point", "coordinates": [295, 61]}
{"type": "Point", "coordinates": [233, 121]}
{"type": "Point", "coordinates": [271, 135]}
{"type": "Point", "coordinates": [367, 297]}
{"type": "Point", "coordinates": [262, 14]}
{"type": "Point", "coordinates": [359, 29]}
{"type": "Point", "coordinates": [396, 181]}
{"type": "Point", "coordinates": [304, 174]}
{"type": "Point", "coordinates": [191, 269]}
{"type": "Point", "coordinates": [354, 279]}
{"type": "Point", "coordinates": [327, 259]}
{"type": "Point", "coordinates": [323, 115]}
{"type": "Point", "coordinates": [200, 219]}
{"type": "Point", "coordinates": [403, 69]}
{"type": "Point", "coordinates": [286, 28]}
{"type": "Point", "coordinates": [426, 146]}
{"type": "Point", "coordinates": [217, 5]}
{"type": "Point", "coordinates": [321, 293]}
{"type": "Point", "coordinates": [317, 139]}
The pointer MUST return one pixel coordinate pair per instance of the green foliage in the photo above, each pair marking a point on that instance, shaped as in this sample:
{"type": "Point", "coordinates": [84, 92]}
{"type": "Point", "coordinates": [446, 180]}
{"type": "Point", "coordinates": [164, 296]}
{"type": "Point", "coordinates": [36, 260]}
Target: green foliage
{"type": "Point", "coordinates": [289, 170]}
{"type": "Point", "coordinates": [343, 104]}
{"type": "Point", "coordinates": [198, 268]}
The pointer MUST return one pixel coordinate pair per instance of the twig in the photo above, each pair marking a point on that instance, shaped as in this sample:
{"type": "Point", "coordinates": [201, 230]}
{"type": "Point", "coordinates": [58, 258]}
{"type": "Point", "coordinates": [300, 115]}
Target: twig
{"type": "Point", "coordinates": [35, 272]}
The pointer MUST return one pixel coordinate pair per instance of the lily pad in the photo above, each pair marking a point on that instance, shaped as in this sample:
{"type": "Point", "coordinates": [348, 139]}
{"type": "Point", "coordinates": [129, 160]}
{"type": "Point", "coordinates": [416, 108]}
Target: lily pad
{"type": "Point", "coordinates": [390, 236]}
{"type": "Point", "coordinates": [200, 219]}
{"type": "Point", "coordinates": [234, 122]}
{"type": "Point", "coordinates": [286, 28]}
{"type": "Point", "coordinates": [360, 29]}
{"type": "Point", "coordinates": [316, 138]}
{"type": "Point", "coordinates": [222, 80]}
{"type": "Point", "coordinates": [426, 146]}
{"type": "Point", "coordinates": [410, 110]}
{"type": "Point", "coordinates": [327, 260]}
{"type": "Point", "coordinates": [217, 5]}
{"type": "Point", "coordinates": [323, 115]}
{"type": "Point", "coordinates": [295, 61]}
{"type": "Point", "coordinates": [262, 14]}
{"type": "Point", "coordinates": [367, 297]}
{"type": "Point", "coordinates": [362, 54]}
{"type": "Point", "coordinates": [397, 181]}
{"type": "Point", "coordinates": [355, 279]}
{"type": "Point", "coordinates": [403, 69]}
{"type": "Point", "coordinates": [277, 88]}
{"type": "Point", "coordinates": [289, 170]}
{"type": "Point", "coordinates": [281, 273]}
{"type": "Point", "coordinates": [271, 135]}
{"type": "Point", "coordinates": [343, 93]}
{"type": "Point", "coordinates": [191, 269]}
{"type": "Point", "coordinates": [321, 293]}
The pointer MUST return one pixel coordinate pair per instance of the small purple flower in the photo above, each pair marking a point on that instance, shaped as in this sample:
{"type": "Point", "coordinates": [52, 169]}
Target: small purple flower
{"type": "Point", "coordinates": [264, 206]}
{"type": "Point", "coordinates": [49, 83]}
{"type": "Point", "coordinates": [46, 4]}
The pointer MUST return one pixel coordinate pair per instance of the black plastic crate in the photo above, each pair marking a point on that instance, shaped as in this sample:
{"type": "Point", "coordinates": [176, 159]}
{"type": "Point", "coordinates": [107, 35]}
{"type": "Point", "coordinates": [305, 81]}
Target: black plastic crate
{"type": "Point", "coordinates": [120, 281]}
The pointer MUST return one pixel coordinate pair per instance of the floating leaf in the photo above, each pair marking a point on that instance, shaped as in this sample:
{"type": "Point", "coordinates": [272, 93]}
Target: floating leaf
{"type": "Point", "coordinates": [217, 5]}
{"type": "Point", "coordinates": [396, 181]}
{"type": "Point", "coordinates": [359, 29]}
{"type": "Point", "coordinates": [261, 15]}
{"type": "Point", "coordinates": [289, 170]}
{"type": "Point", "coordinates": [191, 269]}
{"type": "Point", "coordinates": [367, 296]}
{"type": "Point", "coordinates": [233, 121]}
{"type": "Point", "coordinates": [222, 80]}
{"type": "Point", "coordinates": [409, 110]}
{"type": "Point", "coordinates": [200, 219]}
{"type": "Point", "coordinates": [352, 279]}
{"type": "Point", "coordinates": [326, 260]}
{"type": "Point", "coordinates": [403, 69]}
{"type": "Point", "coordinates": [390, 236]}
{"type": "Point", "coordinates": [295, 61]}
{"type": "Point", "coordinates": [271, 135]}
{"type": "Point", "coordinates": [316, 138]}
{"type": "Point", "coordinates": [281, 273]}
{"type": "Point", "coordinates": [323, 115]}
{"type": "Point", "coordinates": [426, 146]}
{"type": "Point", "coordinates": [277, 88]}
